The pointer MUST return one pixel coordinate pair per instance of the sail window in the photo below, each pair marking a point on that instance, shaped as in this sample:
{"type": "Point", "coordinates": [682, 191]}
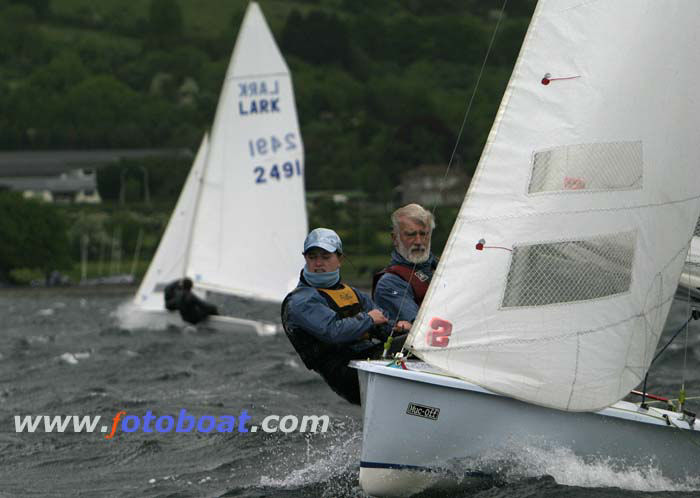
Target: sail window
{"type": "Point", "coordinates": [599, 166]}
{"type": "Point", "coordinates": [567, 272]}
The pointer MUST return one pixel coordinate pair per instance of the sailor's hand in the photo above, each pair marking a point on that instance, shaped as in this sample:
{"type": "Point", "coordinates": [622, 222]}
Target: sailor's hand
{"type": "Point", "coordinates": [380, 332]}
{"type": "Point", "coordinates": [402, 326]}
{"type": "Point", "coordinates": [377, 317]}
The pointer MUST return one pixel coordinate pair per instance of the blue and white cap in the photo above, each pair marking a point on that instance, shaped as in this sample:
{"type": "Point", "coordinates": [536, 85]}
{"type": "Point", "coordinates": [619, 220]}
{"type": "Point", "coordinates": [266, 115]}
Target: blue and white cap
{"type": "Point", "coordinates": [325, 238]}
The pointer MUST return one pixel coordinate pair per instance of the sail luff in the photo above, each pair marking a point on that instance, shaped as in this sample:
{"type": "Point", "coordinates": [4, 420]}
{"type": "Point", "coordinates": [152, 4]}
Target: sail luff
{"type": "Point", "coordinates": [451, 239]}
{"type": "Point", "coordinates": [170, 261]}
{"type": "Point", "coordinates": [198, 196]}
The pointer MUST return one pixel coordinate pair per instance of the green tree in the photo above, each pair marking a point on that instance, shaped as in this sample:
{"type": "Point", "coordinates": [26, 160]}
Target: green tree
{"type": "Point", "coordinates": [103, 111]}
{"type": "Point", "coordinates": [33, 235]}
{"type": "Point", "coordinates": [65, 70]}
{"type": "Point", "coordinates": [21, 41]}
{"type": "Point", "coordinates": [301, 37]}
{"type": "Point", "coordinates": [42, 8]}
{"type": "Point", "coordinates": [165, 22]}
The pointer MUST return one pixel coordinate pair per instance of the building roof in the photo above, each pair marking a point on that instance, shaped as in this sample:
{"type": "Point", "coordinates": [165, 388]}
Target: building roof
{"type": "Point", "coordinates": [55, 162]}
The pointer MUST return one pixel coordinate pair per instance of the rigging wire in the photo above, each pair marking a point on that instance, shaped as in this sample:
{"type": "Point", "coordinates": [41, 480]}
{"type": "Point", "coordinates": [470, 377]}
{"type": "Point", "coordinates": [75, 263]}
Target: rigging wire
{"type": "Point", "coordinates": [694, 315]}
{"type": "Point", "coordinates": [681, 395]}
{"type": "Point", "coordinates": [452, 156]}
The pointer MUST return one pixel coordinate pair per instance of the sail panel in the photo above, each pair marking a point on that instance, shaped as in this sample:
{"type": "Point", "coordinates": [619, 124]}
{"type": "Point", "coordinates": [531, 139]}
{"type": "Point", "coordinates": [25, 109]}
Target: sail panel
{"type": "Point", "coordinates": [251, 217]}
{"type": "Point", "coordinates": [590, 167]}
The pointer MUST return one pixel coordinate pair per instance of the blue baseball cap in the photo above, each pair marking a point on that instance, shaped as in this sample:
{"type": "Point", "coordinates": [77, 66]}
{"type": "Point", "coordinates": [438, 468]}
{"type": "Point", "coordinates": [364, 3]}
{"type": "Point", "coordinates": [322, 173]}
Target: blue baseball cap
{"type": "Point", "coordinates": [325, 238]}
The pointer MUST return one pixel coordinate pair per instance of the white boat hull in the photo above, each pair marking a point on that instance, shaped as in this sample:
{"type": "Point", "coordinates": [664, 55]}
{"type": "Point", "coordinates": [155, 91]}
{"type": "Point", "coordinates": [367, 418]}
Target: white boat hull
{"type": "Point", "coordinates": [159, 319]}
{"type": "Point", "coordinates": [455, 426]}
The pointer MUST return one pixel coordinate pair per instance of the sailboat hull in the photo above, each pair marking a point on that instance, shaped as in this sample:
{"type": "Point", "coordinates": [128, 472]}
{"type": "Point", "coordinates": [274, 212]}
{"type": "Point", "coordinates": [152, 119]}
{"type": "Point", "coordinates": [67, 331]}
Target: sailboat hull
{"type": "Point", "coordinates": [158, 319]}
{"type": "Point", "coordinates": [424, 430]}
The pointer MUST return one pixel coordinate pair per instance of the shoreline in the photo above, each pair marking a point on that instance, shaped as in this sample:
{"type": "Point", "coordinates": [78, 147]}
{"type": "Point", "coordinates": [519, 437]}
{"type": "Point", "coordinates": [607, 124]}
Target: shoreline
{"type": "Point", "coordinates": [77, 290]}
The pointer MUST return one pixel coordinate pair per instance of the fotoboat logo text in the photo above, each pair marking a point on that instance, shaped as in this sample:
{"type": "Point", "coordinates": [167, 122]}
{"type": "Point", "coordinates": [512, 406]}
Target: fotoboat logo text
{"type": "Point", "coordinates": [182, 423]}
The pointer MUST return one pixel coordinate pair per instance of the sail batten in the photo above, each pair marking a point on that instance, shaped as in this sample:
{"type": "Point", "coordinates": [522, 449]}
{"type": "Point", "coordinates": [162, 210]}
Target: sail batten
{"type": "Point", "coordinates": [588, 181]}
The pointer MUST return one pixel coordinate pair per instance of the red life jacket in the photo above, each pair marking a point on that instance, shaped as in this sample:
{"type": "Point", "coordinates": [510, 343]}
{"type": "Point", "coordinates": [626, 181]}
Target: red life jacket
{"type": "Point", "coordinates": [418, 280]}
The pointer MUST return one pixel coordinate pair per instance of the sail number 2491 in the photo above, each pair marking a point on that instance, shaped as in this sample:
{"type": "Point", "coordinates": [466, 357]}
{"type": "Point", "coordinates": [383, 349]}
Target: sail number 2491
{"type": "Point", "coordinates": [277, 171]}
{"type": "Point", "coordinates": [264, 146]}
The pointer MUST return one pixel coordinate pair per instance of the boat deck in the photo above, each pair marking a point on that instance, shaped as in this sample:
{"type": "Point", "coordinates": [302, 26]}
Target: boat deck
{"type": "Point", "coordinates": [420, 371]}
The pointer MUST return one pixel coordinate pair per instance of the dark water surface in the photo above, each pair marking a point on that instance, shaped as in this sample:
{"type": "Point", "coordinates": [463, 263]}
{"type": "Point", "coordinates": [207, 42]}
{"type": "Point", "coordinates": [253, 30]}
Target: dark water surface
{"type": "Point", "coordinates": [63, 353]}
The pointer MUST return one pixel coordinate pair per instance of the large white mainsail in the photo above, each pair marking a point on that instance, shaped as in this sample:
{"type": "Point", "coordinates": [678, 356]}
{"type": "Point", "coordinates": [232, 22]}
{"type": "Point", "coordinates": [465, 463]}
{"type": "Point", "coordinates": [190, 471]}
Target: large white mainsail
{"type": "Point", "coordinates": [251, 216]}
{"type": "Point", "coordinates": [560, 270]}
{"type": "Point", "coordinates": [170, 260]}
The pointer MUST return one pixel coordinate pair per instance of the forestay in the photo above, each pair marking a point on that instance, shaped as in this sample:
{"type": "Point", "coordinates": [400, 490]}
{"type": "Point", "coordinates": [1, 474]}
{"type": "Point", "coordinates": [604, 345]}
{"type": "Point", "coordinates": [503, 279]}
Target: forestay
{"type": "Point", "coordinates": [560, 270]}
{"type": "Point", "coordinates": [251, 217]}
{"type": "Point", "coordinates": [170, 261]}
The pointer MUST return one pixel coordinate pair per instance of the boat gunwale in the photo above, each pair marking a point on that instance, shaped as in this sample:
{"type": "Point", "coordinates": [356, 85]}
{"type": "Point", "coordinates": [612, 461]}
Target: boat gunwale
{"type": "Point", "coordinates": [623, 410]}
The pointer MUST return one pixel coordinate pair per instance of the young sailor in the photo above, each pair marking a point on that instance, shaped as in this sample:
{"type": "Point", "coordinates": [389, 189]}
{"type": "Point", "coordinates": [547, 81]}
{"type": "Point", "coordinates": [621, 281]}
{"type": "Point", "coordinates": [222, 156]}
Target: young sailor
{"type": "Point", "coordinates": [328, 322]}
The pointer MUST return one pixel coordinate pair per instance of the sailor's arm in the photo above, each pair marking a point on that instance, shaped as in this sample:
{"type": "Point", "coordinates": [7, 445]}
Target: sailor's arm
{"type": "Point", "coordinates": [311, 314]}
{"type": "Point", "coordinates": [389, 295]}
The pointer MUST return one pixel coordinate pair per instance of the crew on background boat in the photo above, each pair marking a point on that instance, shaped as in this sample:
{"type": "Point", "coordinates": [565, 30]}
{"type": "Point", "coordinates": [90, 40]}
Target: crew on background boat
{"type": "Point", "coordinates": [399, 288]}
{"type": "Point", "coordinates": [179, 297]}
{"type": "Point", "coordinates": [330, 323]}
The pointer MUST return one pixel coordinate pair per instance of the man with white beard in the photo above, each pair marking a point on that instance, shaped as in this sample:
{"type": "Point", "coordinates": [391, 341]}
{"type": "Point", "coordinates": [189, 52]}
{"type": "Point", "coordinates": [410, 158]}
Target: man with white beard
{"type": "Point", "coordinates": [399, 288]}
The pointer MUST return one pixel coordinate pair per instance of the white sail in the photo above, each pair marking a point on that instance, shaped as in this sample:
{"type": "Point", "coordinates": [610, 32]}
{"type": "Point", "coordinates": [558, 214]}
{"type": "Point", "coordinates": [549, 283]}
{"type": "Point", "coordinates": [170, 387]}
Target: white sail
{"type": "Point", "coordinates": [251, 217]}
{"type": "Point", "coordinates": [583, 204]}
{"type": "Point", "coordinates": [169, 262]}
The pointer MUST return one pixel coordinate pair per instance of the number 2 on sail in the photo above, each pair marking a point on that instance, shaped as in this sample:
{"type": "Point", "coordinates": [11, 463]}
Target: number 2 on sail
{"type": "Point", "coordinates": [439, 334]}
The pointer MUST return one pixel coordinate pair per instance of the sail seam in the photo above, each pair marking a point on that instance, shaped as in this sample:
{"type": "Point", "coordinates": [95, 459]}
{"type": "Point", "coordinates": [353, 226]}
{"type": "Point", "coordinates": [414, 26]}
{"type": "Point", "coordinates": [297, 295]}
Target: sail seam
{"type": "Point", "coordinates": [573, 382]}
{"type": "Point", "coordinates": [581, 211]}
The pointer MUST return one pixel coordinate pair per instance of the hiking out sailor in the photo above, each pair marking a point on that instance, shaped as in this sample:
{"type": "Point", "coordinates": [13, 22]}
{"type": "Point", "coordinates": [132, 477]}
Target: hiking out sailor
{"type": "Point", "coordinates": [399, 288]}
{"type": "Point", "coordinates": [179, 297]}
{"type": "Point", "coordinates": [330, 323]}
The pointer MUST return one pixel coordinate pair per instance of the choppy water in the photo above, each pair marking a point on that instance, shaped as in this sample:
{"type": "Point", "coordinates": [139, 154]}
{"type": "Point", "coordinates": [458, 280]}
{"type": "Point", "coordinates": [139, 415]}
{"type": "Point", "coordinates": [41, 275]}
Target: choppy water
{"type": "Point", "coordinates": [61, 352]}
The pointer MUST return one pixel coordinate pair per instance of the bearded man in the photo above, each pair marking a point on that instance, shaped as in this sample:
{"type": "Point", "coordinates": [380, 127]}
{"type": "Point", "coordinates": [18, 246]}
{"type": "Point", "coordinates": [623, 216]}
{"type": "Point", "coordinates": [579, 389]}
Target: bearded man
{"type": "Point", "coordinates": [399, 288]}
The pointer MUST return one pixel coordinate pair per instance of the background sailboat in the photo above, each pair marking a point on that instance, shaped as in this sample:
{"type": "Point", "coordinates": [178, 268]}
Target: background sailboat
{"type": "Point", "coordinates": [241, 216]}
{"type": "Point", "coordinates": [561, 267]}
